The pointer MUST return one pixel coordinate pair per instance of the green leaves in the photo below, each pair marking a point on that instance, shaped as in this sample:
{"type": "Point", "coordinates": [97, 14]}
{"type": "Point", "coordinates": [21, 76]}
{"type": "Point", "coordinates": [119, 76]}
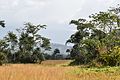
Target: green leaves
{"type": "Point", "coordinates": [82, 24]}
{"type": "Point", "coordinates": [96, 37]}
{"type": "Point", "coordinates": [3, 45]}
{"type": "Point", "coordinates": [105, 21]}
{"type": "Point", "coordinates": [46, 43]}
{"type": "Point", "coordinates": [32, 43]}
{"type": "Point", "coordinates": [31, 28]}
{"type": "Point", "coordinates": [3, 58]}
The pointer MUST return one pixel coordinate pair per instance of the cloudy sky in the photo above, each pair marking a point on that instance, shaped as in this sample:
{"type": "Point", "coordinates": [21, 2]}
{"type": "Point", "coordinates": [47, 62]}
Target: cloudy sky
{"type": "Point", "coordinates": [56, 14]}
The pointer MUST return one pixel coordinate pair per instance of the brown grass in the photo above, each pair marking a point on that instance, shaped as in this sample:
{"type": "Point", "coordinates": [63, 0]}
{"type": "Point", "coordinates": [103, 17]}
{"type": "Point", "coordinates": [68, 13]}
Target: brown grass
{"type": "Point", "coordinates": [40, 72]}
{"type": "Point", "coordinates": [34, 72]}
{"type": "Point", "coordinates": [55, 62]}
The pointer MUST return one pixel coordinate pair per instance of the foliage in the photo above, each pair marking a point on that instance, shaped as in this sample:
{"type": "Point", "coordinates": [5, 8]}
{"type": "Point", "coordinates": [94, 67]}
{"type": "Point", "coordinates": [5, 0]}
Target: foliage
{"type": "Point", "coordinates": [32, 44]}
{"type": "Point", "coordinates": [96, 39]}
{"type": "Point", "coordinates": [26, 47]}
{"type": "Point", "coordinates": [112, 58]}
{"type": "Point", "coordinates": [3, 58]}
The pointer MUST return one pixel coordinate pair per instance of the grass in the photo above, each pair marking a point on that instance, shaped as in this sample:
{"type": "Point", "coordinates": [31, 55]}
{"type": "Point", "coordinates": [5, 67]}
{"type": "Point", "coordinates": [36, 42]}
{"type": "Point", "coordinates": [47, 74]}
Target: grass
{"type": "Point", "coordinates": [54, 70]}
{"type": "Point", "coordinates": [55, 63]}
{"type": "Point", "coordinates": [104, 73]}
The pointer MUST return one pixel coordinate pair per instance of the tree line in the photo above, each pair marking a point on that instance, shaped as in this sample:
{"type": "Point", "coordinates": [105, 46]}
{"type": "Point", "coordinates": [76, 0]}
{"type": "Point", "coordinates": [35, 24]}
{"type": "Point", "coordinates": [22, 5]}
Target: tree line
{"type": "Point", "coordinates": [96, 41]}
{"type": "Point", "coordinates": [26, 47]}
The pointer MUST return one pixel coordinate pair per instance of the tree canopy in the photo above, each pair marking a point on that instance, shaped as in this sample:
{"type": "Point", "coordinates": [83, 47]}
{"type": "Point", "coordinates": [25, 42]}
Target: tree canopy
{"type": "Point", "coordinates": [96, 39]}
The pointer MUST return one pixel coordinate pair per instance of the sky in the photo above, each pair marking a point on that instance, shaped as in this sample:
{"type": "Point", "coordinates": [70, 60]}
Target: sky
{"type": "Point", "coordinates": [56, 14]}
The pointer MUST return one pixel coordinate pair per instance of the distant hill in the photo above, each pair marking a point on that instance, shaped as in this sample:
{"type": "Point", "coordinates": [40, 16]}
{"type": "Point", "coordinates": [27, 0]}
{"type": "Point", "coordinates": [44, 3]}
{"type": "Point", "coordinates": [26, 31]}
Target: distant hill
{"type": "Point", "coordinates": [61, 47]}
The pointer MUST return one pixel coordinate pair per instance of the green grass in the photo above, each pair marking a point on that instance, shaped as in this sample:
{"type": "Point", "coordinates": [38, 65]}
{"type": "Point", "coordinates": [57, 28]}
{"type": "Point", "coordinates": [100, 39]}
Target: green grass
{"type": "Point", "coordinates": [94, 73]}
{"type": "Point", "coordinates": [80, 70]}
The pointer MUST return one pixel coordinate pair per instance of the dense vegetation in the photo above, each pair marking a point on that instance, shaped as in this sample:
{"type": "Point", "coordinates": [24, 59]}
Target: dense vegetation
{"type": "Point", "coordinates": [26, 47]}
{"type": "Point", "coordinates": [97, 40]}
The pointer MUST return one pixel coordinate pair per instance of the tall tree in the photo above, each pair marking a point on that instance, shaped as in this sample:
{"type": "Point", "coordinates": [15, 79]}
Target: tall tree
{"type": "Point", "coordinates": [31, 43]}
{"type": "Point", "coordinates": [83, 32]}
{"type": "Point", "coordinates": [96, 38]}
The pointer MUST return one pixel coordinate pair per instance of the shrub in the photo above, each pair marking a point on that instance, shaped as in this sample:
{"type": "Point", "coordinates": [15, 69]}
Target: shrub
{"type": "Point", "coordinates": [3, 58]}
{"type": "Point", "coordinates": [112, 58]}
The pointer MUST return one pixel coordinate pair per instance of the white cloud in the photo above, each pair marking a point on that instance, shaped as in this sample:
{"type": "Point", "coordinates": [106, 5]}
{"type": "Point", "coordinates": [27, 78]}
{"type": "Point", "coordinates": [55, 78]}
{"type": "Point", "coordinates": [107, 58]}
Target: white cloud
{"type": "Point", "coordinates": [15, 3]}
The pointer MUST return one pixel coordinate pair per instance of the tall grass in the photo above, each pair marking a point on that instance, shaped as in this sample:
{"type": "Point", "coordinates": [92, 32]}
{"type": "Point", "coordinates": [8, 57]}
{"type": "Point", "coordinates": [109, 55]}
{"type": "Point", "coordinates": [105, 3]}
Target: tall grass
{"type": "Point", "coordinates": [34, 72]}
{"type": "Point", "coordinates": [47, 72]}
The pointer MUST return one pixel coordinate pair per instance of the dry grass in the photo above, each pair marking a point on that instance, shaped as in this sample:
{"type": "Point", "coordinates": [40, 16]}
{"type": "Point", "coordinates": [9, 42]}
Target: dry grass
{"type": "Point", "coordinates": [46, 72]}
{"type": "Point", "coordinates": [36, 72]}
{"type": "Point", "coordinates": [55, 62]}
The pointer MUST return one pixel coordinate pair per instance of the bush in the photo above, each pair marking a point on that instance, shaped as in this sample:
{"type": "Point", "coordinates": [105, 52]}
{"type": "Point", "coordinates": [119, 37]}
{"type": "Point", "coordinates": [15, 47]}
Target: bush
{"type": "Point", "coordinates": [3, 58]}
{"type": "Point", "coordinates": [112, 58]}
{"type": "Point", "coordinates": [27, 57]}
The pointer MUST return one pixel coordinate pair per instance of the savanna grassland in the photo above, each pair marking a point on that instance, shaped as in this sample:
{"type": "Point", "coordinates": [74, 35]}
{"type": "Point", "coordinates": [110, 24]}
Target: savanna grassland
{"type": "Point", "coordinates": [56, 70]}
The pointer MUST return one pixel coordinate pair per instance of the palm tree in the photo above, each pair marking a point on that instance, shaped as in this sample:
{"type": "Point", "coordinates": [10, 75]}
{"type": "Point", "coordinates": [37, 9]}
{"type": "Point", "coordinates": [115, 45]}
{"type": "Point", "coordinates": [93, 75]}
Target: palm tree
{"type": "Point", "coordinates": [11, 38]}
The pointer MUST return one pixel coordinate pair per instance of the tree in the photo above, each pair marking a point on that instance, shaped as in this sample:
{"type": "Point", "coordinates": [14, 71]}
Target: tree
{"type": "Point", "coordinates": [68, 50]}
{"type": "Point", "coordinates": [27, 47]}
{"type": "Point", "coordinates": [55, 52]}
{"type": "Point", "coordinates": [38, 56]}
{"type": "Point", "coordinates": [96, 37]}
{"type": "Point", "coordinates": [83, 32]}
{"type": "Point", "coordinates": [104, 21]}
{"type": "Point", "coordinates": [2, 23]}
{"type": "Point", "coordinates": [31, 43]}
